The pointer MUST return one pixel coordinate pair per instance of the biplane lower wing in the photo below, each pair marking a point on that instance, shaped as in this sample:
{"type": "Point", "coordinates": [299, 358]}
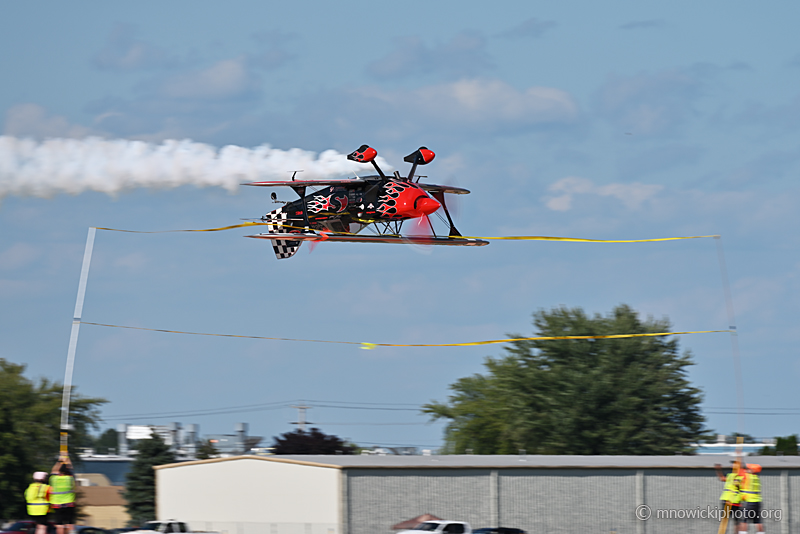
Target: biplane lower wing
{"type": "Point", "coordinates": [352, 238]}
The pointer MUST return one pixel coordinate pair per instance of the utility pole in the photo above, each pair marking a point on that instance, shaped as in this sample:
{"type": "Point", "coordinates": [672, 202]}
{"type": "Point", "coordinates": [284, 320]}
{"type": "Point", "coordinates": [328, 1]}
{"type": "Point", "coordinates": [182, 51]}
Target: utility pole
{"type": "Point", "coordinates": [301, 417]}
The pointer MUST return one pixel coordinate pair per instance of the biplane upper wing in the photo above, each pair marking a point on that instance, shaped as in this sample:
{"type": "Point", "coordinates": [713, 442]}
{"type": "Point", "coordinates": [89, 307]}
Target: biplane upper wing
{"type": "Point", "coordinates": [353, 238]}
{"type": "Point", "coordinates": [308, 183]}
{"type": "Point", "coordinates": [444, 189]}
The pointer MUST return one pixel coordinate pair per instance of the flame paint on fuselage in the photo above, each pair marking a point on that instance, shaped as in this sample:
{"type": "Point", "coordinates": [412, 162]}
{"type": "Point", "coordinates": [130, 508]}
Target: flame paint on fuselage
{"type": "Point", "coordinates": [364, 203]}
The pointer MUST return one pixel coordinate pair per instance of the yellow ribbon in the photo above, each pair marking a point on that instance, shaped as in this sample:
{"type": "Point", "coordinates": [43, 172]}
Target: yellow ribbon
{"type": "Point", "coordinates": [370, 346]}
{"type": "Point", "coordinates": [544, 338]}
{"type": "Point", "coordinates": [510, 238]}
{"type": "Point", "coordinates": [173, 231]}
{"type": "Point", "coordinates": [218, 335]}
{"type": "Point", "coordinates": [581, 240]}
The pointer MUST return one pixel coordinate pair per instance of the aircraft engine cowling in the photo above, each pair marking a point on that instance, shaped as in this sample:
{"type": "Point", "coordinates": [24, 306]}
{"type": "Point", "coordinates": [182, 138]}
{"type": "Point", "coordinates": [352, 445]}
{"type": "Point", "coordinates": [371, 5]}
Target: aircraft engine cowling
{"type": "Point", "coordinates": [404, 200]}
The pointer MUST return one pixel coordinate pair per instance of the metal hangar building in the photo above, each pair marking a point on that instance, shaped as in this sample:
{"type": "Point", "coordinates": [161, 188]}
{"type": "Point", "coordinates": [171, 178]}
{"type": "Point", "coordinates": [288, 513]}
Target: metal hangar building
{"type": "Point", "coordinates": [540, 494]}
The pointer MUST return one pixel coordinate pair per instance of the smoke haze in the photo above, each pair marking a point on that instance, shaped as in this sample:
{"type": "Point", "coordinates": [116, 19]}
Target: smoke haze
{"type": "Point", "coordinates": [46, 168]}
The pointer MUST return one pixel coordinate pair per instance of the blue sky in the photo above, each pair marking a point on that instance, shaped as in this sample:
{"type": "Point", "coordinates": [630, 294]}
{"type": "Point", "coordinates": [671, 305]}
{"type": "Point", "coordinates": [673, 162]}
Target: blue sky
{"type": "Point", "coordinates": [616, 121]}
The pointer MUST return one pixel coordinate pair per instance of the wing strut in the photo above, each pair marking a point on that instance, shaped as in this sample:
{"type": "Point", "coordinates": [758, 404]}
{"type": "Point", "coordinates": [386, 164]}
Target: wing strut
{"type": "Point", "coordinates": [439, 195]}
{"type": "Point", "coordinates": [422, 156]}
{"type": "Point", "coordinates": [364, 154]}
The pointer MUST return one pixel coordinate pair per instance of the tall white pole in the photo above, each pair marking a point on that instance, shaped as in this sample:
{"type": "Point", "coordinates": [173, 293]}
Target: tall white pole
{"type": "Point", "coordinates": [73, 342]}
{"type": "Point", "coordinates": [737, 365]}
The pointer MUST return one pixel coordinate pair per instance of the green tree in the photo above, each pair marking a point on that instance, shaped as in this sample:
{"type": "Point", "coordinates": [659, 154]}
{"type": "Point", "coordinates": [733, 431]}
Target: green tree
{"type": "Point", "coordinates": [783, 446]}
{"type": "Point", "coordinates": [30, 418]}
{"type": "Point", "coordinates": [140, 487]}
{"type": "Point", "coordinates": [313, 442]}
{"type": "Point", "coordinates": [206, 450]}
{"type": "Point", "coordinates": [105, 441]}
{"type": "Point", "coordinates": [593, 396]}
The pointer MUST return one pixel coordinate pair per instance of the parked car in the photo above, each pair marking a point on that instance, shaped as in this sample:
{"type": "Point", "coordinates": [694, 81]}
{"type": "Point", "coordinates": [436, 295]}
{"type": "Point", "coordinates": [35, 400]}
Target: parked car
{"type": "Point", "coordinates": [29, 527]}
{"type": "Point", "coordinates": [26, 526]}
{"type": "Point", "coordinates": [166, 527]}
{"type": "Point", "coordinates": [499, 530]}
{"type": "Point", "coordinates": [441, 527]}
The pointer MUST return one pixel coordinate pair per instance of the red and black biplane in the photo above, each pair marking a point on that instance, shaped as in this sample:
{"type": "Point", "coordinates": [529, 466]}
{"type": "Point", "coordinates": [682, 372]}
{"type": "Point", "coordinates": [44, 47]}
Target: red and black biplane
{"type": "Point", "coordinates": [343, 208]}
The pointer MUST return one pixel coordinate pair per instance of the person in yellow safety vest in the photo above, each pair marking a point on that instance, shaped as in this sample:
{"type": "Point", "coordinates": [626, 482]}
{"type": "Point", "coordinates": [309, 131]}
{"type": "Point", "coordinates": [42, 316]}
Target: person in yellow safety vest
{"type": "Point", "coordinates": [62, 495]}
{"type": "Point", "coordinates": [731, 497]}
{"type": "Point", "coordinates": [38, 498]}
{"type": "Point", "coordinates": [751, 493]}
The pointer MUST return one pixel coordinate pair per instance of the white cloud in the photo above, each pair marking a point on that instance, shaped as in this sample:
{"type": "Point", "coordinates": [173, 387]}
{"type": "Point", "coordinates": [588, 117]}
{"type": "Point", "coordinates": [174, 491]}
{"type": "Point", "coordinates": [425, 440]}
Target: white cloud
{"type": "Point", "coordinates": [531, 28]}
{"type": "Point", "coordinates": [780, 118]}
{"type": "Point", "coordinates": [659, 159]}
{"type": "Point", "coordinates": [135, 262]}
{"type": "Point", "coordinates": [464, 55]}
{"type": "Point", "coordinates": [24, 288]}
{"type": "Point", "coordinates": [631, 195]}
{"type": "Point", "coordinates": [17, 256]}
{"type": "Point", "coordinates": [225, 79]}
{"type": "Point", "coordinates": [650, 104]}
{"type": "Point", "coordinates": [185, 102]}
{"type": "Point", "coordinates": [221, 103]}
{"type": "Point", "coordinates": [32, 120]}
{"type": "Point", "coordinates": [273, 51]}
{"type": "Point", "coordinates": [123, 52]}
{"type": "Point", "coordinates": [481, 102]}
{"type": "Point", "coordinates": [443, 114]}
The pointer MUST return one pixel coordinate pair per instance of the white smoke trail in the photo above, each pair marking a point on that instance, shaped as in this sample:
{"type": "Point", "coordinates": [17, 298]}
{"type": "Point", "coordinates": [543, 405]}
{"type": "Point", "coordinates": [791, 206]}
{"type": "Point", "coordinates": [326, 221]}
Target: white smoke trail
{"type": "Point", "coordinates": [46, 168]}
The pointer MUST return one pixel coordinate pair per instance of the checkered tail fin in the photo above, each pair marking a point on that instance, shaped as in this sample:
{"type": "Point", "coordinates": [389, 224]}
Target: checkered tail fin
{"type": "Point", "coordinates": [278, 222]}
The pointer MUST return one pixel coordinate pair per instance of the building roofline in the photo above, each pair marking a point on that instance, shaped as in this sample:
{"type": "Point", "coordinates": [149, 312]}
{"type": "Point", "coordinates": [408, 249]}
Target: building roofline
{"type": "Point", "coordinates": [249, 457]}
{"type": "Point", "coordinates": [447, 462]}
